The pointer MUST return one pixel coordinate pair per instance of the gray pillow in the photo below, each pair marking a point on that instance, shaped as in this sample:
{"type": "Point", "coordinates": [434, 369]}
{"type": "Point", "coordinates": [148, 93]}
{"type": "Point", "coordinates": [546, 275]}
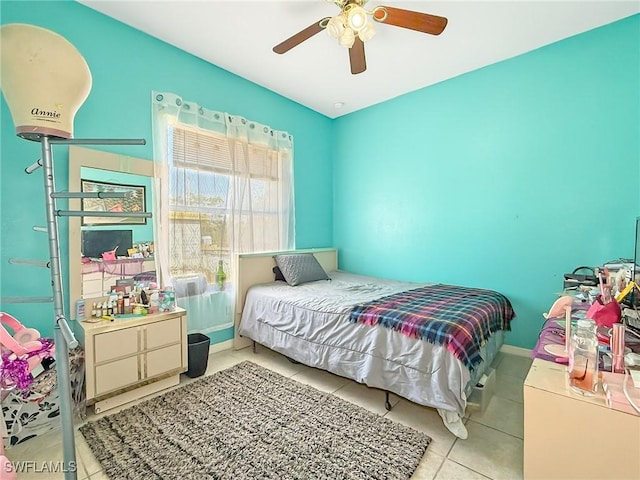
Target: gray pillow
{"type": "Point", "coordinates": [299, 268]}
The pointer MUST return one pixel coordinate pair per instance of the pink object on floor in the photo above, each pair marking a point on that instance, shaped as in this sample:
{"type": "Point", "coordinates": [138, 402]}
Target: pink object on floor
{"type": "Point", "coordinates": [22, 344]}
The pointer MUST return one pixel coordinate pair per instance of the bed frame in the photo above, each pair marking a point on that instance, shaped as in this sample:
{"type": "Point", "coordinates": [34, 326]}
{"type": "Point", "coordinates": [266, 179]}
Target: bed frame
{"type": "Point", "coordinates": [255, 268]}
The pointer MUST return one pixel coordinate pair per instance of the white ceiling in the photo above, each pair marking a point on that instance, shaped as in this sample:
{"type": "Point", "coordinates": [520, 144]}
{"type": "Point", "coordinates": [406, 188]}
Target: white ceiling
{"type": "Point", "coordinates": [239, 36]}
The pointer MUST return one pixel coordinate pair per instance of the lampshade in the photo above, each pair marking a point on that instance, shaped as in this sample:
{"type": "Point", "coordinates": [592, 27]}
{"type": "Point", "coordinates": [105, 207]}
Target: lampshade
{"type": "Point", "coordinates": [367, 32]}
{"type": "Point", "coordinates": [347, 38]}
{"type": "Point", "coordinates": [335, 26]}
{"type": "Point", "coordinates": [45, 80]}
{"type": "Point", "coordinates": [356, 18]}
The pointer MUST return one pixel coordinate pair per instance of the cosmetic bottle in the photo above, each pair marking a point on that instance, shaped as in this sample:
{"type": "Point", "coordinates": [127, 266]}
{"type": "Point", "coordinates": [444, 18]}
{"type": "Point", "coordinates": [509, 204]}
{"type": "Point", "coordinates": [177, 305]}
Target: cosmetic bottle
{"type": "Point", "coordinates": [127, 304]}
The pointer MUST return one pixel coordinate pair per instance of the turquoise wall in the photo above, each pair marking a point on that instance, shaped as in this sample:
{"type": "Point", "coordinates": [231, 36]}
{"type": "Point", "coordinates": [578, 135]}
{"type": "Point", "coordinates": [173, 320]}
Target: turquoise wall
{"type": "Point", "coordinates": [127, 66]}
{"type": "Point", "coordinates": [502, 178]}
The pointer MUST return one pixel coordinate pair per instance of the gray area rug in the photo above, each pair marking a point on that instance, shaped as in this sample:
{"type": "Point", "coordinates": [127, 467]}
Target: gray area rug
{"type": "Point", "coordinates": [250, 422]}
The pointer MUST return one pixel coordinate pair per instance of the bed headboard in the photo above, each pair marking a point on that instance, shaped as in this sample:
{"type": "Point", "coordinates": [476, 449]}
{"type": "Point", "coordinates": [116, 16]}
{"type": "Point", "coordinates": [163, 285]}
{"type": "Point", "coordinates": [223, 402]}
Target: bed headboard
{"type": "Point", "coordinates": [255, 268]}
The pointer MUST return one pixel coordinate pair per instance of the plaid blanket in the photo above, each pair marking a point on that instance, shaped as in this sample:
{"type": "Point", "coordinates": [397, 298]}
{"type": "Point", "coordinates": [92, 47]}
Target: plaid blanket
{"type": "Point", "coordinates": [460, 318]}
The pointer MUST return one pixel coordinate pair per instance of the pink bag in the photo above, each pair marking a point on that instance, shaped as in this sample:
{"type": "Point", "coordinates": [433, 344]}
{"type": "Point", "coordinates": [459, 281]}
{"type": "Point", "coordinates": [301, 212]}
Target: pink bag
{"type": "Point", "coordinates": [605, 315]}
{"type": "Point", "coordinates": [110, 255]}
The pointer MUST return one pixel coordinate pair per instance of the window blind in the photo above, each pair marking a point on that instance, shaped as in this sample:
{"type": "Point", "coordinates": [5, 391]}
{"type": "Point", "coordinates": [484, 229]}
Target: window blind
{"type": "Point", "coordinates": [212, 152]}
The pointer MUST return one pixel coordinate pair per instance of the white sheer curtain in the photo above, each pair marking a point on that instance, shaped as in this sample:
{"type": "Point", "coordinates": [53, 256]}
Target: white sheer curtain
{"type": "Point", "coordinates": [224, 185]}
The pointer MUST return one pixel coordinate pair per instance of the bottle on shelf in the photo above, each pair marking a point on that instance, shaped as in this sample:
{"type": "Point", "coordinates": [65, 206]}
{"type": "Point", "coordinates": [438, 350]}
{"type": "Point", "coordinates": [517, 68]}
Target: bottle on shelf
{"type": "Point", "coordinates": [220, 276]}
{"type": "Point", "coordinates": [120, 303]}
{"type": "Point", "coordinates": [154, 301]}
{"type": "Point", "coordinates": [127, 304]}
{"type": "Point", "coordinates": [112, 305]}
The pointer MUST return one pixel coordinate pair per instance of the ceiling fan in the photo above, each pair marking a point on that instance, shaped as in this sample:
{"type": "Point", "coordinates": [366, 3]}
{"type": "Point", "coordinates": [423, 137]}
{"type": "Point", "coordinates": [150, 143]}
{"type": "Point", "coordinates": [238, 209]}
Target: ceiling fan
{"type": "Point", "coordinates": [352, 27]}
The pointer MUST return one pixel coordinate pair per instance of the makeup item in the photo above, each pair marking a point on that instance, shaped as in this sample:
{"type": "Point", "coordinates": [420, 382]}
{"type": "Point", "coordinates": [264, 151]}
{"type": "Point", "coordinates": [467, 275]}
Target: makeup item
{"type": "Point", "coordinates": [154, 302]}
{"type": "Point", "coordinates": [618, 331]}
{"type": "Point", "coordinates": [121, 303]}
{"type": "Point", "coordinates": [80, 306]}
{"type": "Point", "coordinates": [143, 298]}
{"type": "Point", "coordinates": [127, 305]}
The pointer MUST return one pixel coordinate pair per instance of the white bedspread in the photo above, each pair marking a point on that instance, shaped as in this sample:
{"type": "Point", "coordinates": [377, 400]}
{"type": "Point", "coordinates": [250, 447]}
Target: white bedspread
{"type": "Point", "coordinates": [337, 295]}
{"type": "Point", "coordinates": [310, 323]}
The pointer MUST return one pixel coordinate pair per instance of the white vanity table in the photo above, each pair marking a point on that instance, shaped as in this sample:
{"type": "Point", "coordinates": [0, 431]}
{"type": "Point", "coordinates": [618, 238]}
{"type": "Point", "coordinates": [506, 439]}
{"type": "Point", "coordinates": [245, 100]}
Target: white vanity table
{"type": "Point", "coordinates": [132, 357]}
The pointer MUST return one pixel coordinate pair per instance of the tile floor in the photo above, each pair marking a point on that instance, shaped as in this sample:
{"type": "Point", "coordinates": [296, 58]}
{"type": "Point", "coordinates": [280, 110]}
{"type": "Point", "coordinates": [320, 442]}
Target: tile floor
{"type": "Point", "coordinates": [493, 450]}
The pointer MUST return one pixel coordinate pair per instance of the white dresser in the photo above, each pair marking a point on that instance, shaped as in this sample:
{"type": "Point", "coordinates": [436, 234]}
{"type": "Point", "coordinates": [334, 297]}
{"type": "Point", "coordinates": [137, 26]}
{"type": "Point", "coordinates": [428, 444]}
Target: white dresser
{"type": "Point", "coordinates": [570, 436]}
{"type": "Point", "coordinates": [133, 357]}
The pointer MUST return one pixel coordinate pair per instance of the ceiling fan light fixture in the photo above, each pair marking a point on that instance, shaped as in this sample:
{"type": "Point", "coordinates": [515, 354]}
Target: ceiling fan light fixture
{"type": "Point", "coordinates": [335, 26]}
{"type": "Point", "coordinates": [347, 38]}
{"type": "Point", "coordinates": [356, 18]}
{"type": "Point", "coordinates": [352, 28]}
{"type": "Point", "coordinates": [367, 32]}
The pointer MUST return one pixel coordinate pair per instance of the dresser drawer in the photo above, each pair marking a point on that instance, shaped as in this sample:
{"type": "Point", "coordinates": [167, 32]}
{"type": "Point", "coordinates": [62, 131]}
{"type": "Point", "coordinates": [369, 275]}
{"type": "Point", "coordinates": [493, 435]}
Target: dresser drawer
{"type": "Point", "coordinates": [163, 333]}
{"type": "Point", "coordinates": [133, 357]}
{"type": "Point", "coordinates": [163, 360]}
{"type": "Point", "coordinates": [115, 344]}
{"type": "Point", "coordinates": [118, 374]}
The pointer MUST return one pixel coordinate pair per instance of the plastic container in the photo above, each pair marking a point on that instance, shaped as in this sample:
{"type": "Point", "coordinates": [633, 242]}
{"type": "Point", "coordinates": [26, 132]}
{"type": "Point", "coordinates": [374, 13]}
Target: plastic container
{"type": "Point", "coordinates": [166, 301]}
{"type": "Point", "coordinates": [154, 301]}
{"type": "Point", "coordinates": [583, 358]}
{"type": "Point", "coordinates": [198, 354]}
{"type": "Point", "coordinates": [483, 391]}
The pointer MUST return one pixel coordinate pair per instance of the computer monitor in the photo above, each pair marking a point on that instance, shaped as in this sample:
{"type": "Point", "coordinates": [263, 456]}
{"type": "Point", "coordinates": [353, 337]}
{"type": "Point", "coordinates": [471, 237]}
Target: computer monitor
{"type": "Point", "coordinates": [94, 242]}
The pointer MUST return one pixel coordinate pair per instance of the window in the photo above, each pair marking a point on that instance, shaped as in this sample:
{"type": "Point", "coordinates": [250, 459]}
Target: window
{"type": "Point", "coordinates": [225, 195]}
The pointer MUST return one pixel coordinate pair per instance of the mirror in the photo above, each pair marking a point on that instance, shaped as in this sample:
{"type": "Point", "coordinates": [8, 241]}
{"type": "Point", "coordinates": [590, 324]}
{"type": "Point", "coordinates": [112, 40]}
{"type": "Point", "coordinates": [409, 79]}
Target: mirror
{"type": "Point", "coordinates": [130, 239]}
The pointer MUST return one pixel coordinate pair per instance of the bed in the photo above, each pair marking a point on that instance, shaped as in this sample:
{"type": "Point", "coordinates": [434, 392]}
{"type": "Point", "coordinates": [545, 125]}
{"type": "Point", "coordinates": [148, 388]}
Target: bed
{"type": "Point", "coordinates": [341, 325]}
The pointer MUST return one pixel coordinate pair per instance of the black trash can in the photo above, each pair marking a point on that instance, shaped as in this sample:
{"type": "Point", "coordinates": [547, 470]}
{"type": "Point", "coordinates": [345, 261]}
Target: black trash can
{"type": "Point", "coordinates": [198, 345]}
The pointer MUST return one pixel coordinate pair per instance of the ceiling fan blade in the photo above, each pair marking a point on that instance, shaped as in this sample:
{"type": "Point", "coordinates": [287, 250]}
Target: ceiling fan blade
{"type": "Point", "coordinates": [421, 22]}
{"type": "Point", "coordinates": [301, 36]}
{"type": "Point", "coordinates": [356, 57]}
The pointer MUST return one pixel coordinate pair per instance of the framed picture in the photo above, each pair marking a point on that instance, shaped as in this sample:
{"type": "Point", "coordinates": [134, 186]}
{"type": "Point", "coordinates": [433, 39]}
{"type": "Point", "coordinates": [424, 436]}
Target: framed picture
{"type": "Point", "coordinates": [135, 201]}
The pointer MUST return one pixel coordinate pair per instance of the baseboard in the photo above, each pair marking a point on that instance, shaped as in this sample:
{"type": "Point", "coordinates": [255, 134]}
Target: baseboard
{"type": "Point", "coordinates": [519, 351]}
{"type": "Point", "coordinates": [219, 347]}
